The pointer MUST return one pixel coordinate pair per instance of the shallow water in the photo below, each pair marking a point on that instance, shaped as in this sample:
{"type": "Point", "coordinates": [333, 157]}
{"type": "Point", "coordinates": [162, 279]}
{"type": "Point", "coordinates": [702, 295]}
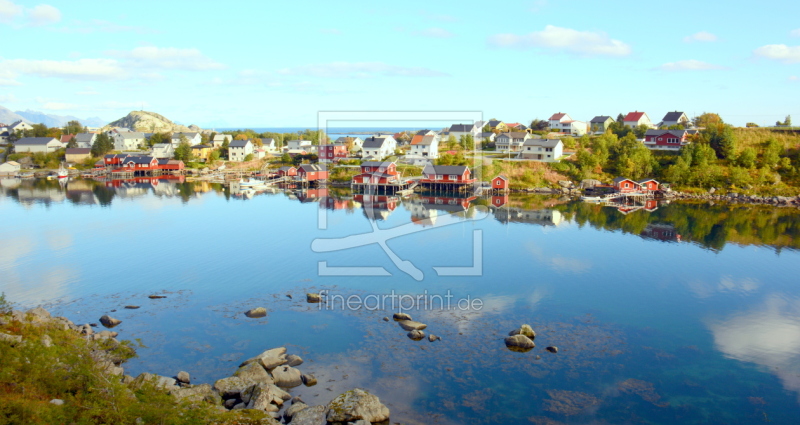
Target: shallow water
{"type": "Point", "coordinates": [687, 313]}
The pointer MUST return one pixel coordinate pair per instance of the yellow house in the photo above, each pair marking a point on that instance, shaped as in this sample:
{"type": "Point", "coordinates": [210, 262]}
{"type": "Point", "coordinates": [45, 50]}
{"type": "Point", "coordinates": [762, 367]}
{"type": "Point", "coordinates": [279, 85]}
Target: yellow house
{"type": "Point", "coordinates": [497, 126]}
{"type": "Point", "coordinates": [202, 152]}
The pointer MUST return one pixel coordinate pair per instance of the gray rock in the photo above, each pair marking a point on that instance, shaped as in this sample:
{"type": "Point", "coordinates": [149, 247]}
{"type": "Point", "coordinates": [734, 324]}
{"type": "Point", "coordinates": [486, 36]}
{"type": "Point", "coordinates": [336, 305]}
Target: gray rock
{"type": "Point", "coordinates": [47, 341]}
{"type": "Point", "coordinates": [104, 335]}
{"type": "Point", "coordinates": [433, 338]}
{"type": "Point", "coordinates": [519, 343]}
{"type": "Point", "coordinates": [159, 381]}
{"type": "Point", "coordinates": [57, 402]}
{"type": "Point", "coordinates": [127, 379]}
{"type": "Point", "coordinates": [552, 349]}
{"type": "Point", "coordinates": [255, 373]}
{"type": "Point", "coordinates": [385, 319]}
{"type": "Point", "coordinates": [256, 312]}
{"type": "Point", "coordinates": [231, 387]}
{"type": "Point", "coordinates": [38, 314]}
{"type": "Point", "coordinates": [132, 307]}
{"type": "Point", "coordinates": [267, 397]}
{"type": "Point", "coordinates": [313, 298]}
{"type": "Point", "coordinates": [294, 360]}
{"type": "Point", "coordinates": [13, 339]}
{"type": "Point", "coordinates": [357, 404]}
{"type": "Point", "coordinates": [183, 377]}
{"type": "Point", "coordinates": [524, 330]}
{"type": "Point", "coordinates": [86, 329]}
{"type": "Point", "coordinates": [269, 359]}
{"type": "Point", "coordinates": [410, 325]}
{"type": "Point", "coordinates": [109, 321]}
{"type": "Point", "coordinates": [416, 335]}
{"type": "Point", "coordinates": [196, 394]}
{"type": "Point", "coordinates": [239, 406]}
{"type": "Point", "coordinates": [229, 403]}
{"type": "Point", "coordinates": [314, 415]}
{"type": "Point", "coordinates": [401, 316]}
{"type": "Point", "coordinates": [293, 410]}
{"type": "Point", "coordinates": [308, 379]}
{"type": "Point", "coordinates": [287, 377]}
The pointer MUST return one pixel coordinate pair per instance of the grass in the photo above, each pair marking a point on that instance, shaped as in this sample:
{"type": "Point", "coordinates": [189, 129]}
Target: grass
{"type": "Point", "coordinates": [522, 174]}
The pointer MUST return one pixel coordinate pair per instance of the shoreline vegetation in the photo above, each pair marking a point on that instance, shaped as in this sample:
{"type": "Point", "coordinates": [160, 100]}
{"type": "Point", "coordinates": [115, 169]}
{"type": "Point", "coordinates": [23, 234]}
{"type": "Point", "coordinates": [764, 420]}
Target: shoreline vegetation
{"type": "Point", "coordinates": [56, 372]}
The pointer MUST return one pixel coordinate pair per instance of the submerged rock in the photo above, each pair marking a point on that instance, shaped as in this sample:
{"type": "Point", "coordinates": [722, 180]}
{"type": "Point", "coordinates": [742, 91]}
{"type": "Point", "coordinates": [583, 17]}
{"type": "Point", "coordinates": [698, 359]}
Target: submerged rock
{"type": "Point", "coordinates": [552, 349]}
{"type": "Point", "coordinates": [416, 335]}
{"type": "Point", "coordinates": [355, 405]}
{"type": "Point", "coordinates": [256, 312]}
{"type": "Point", "coordinates": [109, 321]}
{"type": "Point", "coordinates": [401, 316]}
{"type": "Point", "coordinates": [294, 360]}
{"type": "Point", "coordinates": [385, 319]}
{"type": "Point", "coordinates": [433, 338]}
{"type": "Point", "coordinates": [313, 298]}
{"type": "Point", "coordinates": [411, 325]}
{"type": "Point", "coordinates": [520, 343]}
{"type": "Point", "coordinates": [156, 297]}
{"type": "Point", "coordinates": [131, 307]}
{"type": "Point", "coordinates": [308, 379]}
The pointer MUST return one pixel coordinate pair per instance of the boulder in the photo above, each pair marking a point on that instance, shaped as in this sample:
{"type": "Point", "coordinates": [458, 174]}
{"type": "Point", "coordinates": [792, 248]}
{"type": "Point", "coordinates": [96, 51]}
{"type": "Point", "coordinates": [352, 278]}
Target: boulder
{"type": "Point", "coordinates": [131, 307]}
{"type": "Point", "coordinates": [357, 404]}
{"type": "Point", "coordinates": [410, 325]}
{"type": "Point", "coordinates": [183, 377]}
{"type": "Point", "coordinates": [314, 415]}
{"type": "Point", "coordinates": [47, 341]}
{"type": "Point", "coordinates": [159, 381]}
{"type": "Point", "coordinates": [254, 372]}
{"type": "Point", "coordinates": [385, 319]}
{"type": "Point", "coordinates": [255, 313]}
{"type": "Point", "coordinates": [294, 360]}
{"type": "Point", "coordinates": [293, 410]}
{"type": "Point", "coordinates": [433, 338]}
{"type": "Point", "coordinates": [552, 349]}
{"type": "Point", "coordinates": [416, 335]}
{"type": "Point", "coordinates": [266, 397]}
{"type": "Point", "coordinates": [308, 379]}
{"type": "Point", "coordinates": [269, 359]}
{"type": "Point", "coordinates": [524, 330]}
{"type": "Point", "coordinates": [38, 314]}
{"type": "Point", "coordinates": [13, 339]}
{"type": "Point", "coordinates": [401, 316]}
{"type": "Point", "coordinates": [519, 343]}
{"type": "Point", "coordinates": [109, 321]}
{"type": "Point", "coordinates": [57, 402]}
{"type": "Point", "coordinates": [287, 377]}
{"type": "Point", "coordinates": [313, 298]}
{"type": "Point", "coordinates": [231, 387]}
{"type": "Point", "coordinates": [196, 394]}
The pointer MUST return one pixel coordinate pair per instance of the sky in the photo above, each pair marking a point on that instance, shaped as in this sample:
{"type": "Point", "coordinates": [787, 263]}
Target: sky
{"type": "Point", "coordinates": [278, 64]}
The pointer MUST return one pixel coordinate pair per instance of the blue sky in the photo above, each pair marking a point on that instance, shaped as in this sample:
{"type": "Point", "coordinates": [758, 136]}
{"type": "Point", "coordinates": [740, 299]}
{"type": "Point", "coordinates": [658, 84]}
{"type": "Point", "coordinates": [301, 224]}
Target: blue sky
{"type": "Point", "coordinates": [254, 63]}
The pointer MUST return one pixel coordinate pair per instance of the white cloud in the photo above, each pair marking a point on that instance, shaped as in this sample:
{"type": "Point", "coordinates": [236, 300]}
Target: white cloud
{"type": "Point", "coordinates": [360, 70]}
{"type": "Point", "coordinates": [81, 69]}
{"type": "Point", "coordinates": [689, 65]}
{"type": "Point", "coordinates": [332, 31]}
{"type": "Point", "coordinates": [567, 40]}
{"type": "Point", "coordinates": [43, 14]}
{"type": "Point", "coordinates": [9, 11]}
{"type": "Point", "coordinates": [87, 91]}
{"type": "Point", "coordinates": [795, 33]}
{"type": "Point", "coordinates": [7, 98]}
{"type": "Point", "coordinates": [99, 25]}
{"type": "Point", "coordinates": [703, 36]}
{"type": "Point", "coordinates": [794, 78]}
{"type": "Point", "coordinates": [781, 52]}
{"type": "Point", "coordinates": [167, 58]}
{"type": "Point", "coordinates": [434, 33]}
{"type": "Point", "coordinates": [8, 82]}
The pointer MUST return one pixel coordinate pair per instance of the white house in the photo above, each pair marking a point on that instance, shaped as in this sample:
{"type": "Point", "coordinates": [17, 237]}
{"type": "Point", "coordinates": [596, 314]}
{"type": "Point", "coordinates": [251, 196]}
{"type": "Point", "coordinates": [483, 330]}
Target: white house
{"type": "Point", "coordinates": [10, 167]}
{"type": "Point", "coordinates": [675, 118]}
{"type": "Point", "coordinates": [19, 125]}
{"type": "Point", "coordinates": [4, 133]}
{"type": "Point", "coordinates": [269, 145]}
{"type": "Point", "coordinates": [427, 147]}
{"type": "Point", "coordinates": [192, 138]}
{"type": "Point", "coordinates": [85, 140]}
{"type": "Point", "coordinates": [378, 147]}
{"type": "Point", "coordinates": [163, 150]}
{"type": "Point", "coordinates": [299, 144]}
{"type": "Point", "coordinates": [635, 119]}
{"type": "Point", "coordinates": [219, 140]}
{"type": "Point", "coordinates": [562, 123]}
{"type": "Point", "coordinates": [239, 149]}
{"type": "Point", "coordinates": [37, 144]}
{"type": "Point", "coordinates": [358, 143]}
{"type": "Point", "coordinates": [128, 140]}
{"type": "Point", "coordinates": [545, 150]}
{"type": "Point", "coordinates": [511, 142]}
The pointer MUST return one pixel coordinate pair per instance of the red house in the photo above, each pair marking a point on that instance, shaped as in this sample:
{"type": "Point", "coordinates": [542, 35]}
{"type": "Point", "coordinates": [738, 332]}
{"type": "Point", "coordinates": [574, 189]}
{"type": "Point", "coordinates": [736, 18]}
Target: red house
{"type": "Point", "coordinates": [332, 153]}
{"type": "Point", "coordinates": [171, 164]}
{"type": "Point", "coordinates": [112, 160]}
{"type": "Point", "coordinates": [499, 200]}
{"type": "Point", "coordinates": [623, 185]}
{"type": "Point", "coordinates": [312, 195]}
{"type": "Point", "coordinates": [140, 163]}
{"type": "Point", "coordinates": [312, 172]}
{"type": "Point", "coordinates": [376, 172]}
{"type": "Point", "coordinates": [666, 139]}
{"type": "Point", "coordinates": [648, 185]}
{"type": "Point", "coordinates": [500, 183]}
{"type": "Point", "coordinates": [447, 174]}
{"type": "Point", "coordinates": [287, 172]}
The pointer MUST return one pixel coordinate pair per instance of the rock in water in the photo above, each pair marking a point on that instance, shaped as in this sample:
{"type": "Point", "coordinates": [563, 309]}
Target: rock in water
{"type": "Point", "coordinates": [109, 321]}
{"type": "Point", "coordinates": [183, 377]}
{"type": "Point", "coordinates": [416, 335]}
{"type": "Point", "coordinates": [293, 410]}
{"type": "Point", "coordinates": [385, 319]}
{"type": "Point", "coordinates": [287, 377]}
{"type": "Point", "coordinates": [308, 379]}
{"type": "Point", "coordinates": [156, 297]}
{"type": "Point", "coordinates": [131, 307]}
{"type": "Point", "coordinates": [356, 405]}
{"type": "Point", "coordinates": [313, 298]}
{"type": "Point", "coordinates": [411, 325]}
{"type": "Point", "coordinates": [294, 360]}
{"type": "Point", "coordinates": [270, 359]}
{"type": "Point", "coordinates": [552, 349]}
{"type": "Point", "coordinates": [524, 330]}
{"type": "Point", "coordinates": [520, 343]}
{"type": "Point", "coordinates": [433, 338]}
{"type": "Point", "coordinates": [256, 312]}
{"type": "Point", "coordinates": [401, 316]}
{"type": "Point", "coordinates": [254, 372]}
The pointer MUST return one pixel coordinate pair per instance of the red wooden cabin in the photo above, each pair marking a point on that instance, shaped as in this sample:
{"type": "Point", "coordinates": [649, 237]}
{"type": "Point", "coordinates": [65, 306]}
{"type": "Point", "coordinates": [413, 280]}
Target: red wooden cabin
{"type": "Point", "coordinates": [312, 172]}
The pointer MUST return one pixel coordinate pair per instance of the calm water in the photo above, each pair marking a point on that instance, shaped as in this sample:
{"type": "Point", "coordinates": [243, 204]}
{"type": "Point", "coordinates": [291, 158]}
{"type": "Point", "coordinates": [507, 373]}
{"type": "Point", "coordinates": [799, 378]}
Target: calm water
{"type": "Point", "coordinates": [687, 313]}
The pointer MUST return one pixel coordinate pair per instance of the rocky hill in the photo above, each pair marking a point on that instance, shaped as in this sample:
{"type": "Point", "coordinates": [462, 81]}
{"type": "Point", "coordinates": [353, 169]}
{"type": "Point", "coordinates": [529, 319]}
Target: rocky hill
{"type": "Point", "coordinates": [8, 116]}
{"type": "Point", "coordinates": [148, 122]}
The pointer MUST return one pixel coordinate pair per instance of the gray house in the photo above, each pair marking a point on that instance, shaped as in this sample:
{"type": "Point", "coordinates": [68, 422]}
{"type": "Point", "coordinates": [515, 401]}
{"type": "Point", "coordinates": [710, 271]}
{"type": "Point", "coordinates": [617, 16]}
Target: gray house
{"type": "Point", "coordinates": [511, 142]}
{"type": "Point", "coordinates": [239, 149]}
{"type": "Point", "coordinates": [600, 123]}
{"type": "Point", "coordinates": [85, 140]}
{"type": "Point", "coordinates": [128, 140]}
{"type": "Point", "coordinates": [545, 150]}
{"type": "Point", "coordinates": [37, 144]}
{"type": "Point", "coordinates": [675, 118]}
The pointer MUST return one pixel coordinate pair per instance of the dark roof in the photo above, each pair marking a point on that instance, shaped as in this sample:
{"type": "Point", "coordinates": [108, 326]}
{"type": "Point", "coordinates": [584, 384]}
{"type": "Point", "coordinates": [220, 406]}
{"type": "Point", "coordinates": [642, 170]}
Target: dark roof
{"type": "Point", "coordinates": [78, 151]}
{"type": "Point", "coordinates": [285, 168]}
{"type": "Point", "coordinates": [445, 169]}
{"type": "Point", "coordinates": [201, 147]}
{"type": "Point", "coordinates": [374, 142]}
{"type": "Point", "coordinates": [679, 133]}
{"type": "Point", "coordinates": [673, 116]}
{"type": "Point", "coordinates": [239, 143]}
{"type": "Point", "coordinates": [423, 132]}
{"type": "Point", "coordinates": [601, 118]}
{"type": "Point", "coordinates": [140, 159]}
{"type": "Point", "coordinates": [546, 143]}
{"type": "Point", "coordinates": [35, 141]}
{"type": "Point", "coordinates": [427, 140]}
{"type": "Point", "coordinates": [462, 128]}
{"type": "Point", "coordinates": [494, 123]}
{"type": "Point", "coordinates": [131, 135]}
{"type": "Point", "coordinates": [84, 137]}
{"type": "Point", "coordinates": [376, 163]}
{"type": "Point", "coordinates": [514, 135]}
{"type": "Point", "coordinates": [313, 167]}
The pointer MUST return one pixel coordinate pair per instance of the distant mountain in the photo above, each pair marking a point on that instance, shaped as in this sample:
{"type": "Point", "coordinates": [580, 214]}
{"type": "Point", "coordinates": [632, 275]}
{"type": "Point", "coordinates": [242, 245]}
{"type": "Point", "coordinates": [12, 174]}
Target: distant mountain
{"type": "Point", "coordinates": [149, 122]}
{"type": "Point", "coordinates": [7, 116]}
{"type": "Point", "coordinates": [51, 120]}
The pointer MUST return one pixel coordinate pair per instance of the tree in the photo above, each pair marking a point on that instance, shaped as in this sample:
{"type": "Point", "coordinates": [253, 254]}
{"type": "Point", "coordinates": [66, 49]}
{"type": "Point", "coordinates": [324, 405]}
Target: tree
{"type": "Point", "coordinates": [102, 145]}
{"type": "Point", "coordinates": [747, 158]}
{"type": "Point", "coordinates": [772, 153]}
{"type": "Point", "coordinates": [621, 119]}
{"type": "Point", "coordinates": [157, 138]}
{"type": "Point", "coordinates": [706, 118]}
{"type": "Point", "coordinates": [73, 127]}
{"type": "Point", "coordinates": [72, 143]}
{"type": "Point", "coordinates": [39, 130]}
{"type": "Point", "coordinates": [640, 131]}
{"type": "Point", "coordinates": [721, 138]}
{"type": "Point", "coordinates": [451, 142]}
{"type": "Point", "coordinates": [184, 151]}
{"type": "Point", "coordinates": [788, 121]}
{"type": "Point", "coordinates": [204, 139]}
{"type": "Point", "coordinates": [249, 157]}
{"type": "Point", "coordinates": [241, 137]}
{"type": "Point", "coordinates": [223, 151]}
{"type": "Point", "coordinates": [257, 142]}
{"type": "Point", "coordinates": [539, 125]}
{"type": "Point", "coordinates": [286, 158]}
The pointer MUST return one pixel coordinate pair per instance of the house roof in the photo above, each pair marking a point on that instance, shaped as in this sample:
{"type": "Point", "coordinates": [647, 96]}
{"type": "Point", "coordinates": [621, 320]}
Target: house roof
{"type": "Point", "coordinates": [485, 135]}
{"type": "Point", "coordinates": [162, 146]}
{"type": "Point", "coordinates": [268, 141]}
{"type": "Point", "coordinates": [557, 116]}
{"type": "Point", "coordinates": [514, 125]}
{"type": "Point", "coordinates": [445, 169]}
{"type": "Point", "coordinates": [36, 141]}
{"type": "Point", "coordinates": [501, 177]}
{"type": "Point", "coordinates": [514, 135]}
{"type": "Point", "coordinates": [201, 147]}
{"type": "Point", "coordinates": [313, 167]}
{"type": "Point", "coordinates": [673, 116]}
{"type": "Point", "coordinates": [545, 143]}
{"type": "Point", "coordinates": [417, 139]}
{"type": "Point", "coordinates": [189, 135]}
{"type": "Point", "coordinates": [601, 118]}
{"type": "Point", "coordinates": [131, 135]}
{"type": "Point", "coordinates": [427, 140]}
{"type": "Point", "coordinates": [462, 128]}
{"type": "Point", "coordinates": [494, 123]}
{"type": "Point", "coordinates": [622, 179]}
{"type": "Point", "coordinates": [65, 138]}
{"type": "Point", "coordinates": [647, 180]}
{"type": "Point", "coordinates": [85, 137]}
{"type": "Point", "coordinates": [140, 159]}
{"type": "Point", "coordinates": [239, 143]}
{"type": "Point", "coordinates": [374, 142]}
{"type": "Point", "coordinates": [376, 163]}
{"type": "Point", "coordinates": [285, 168]}
{"type": "Point", "coordinates": [78, 151]}
{"type": "Point", "coordinates": [634, 116]}
{"type": "Point", "coordinates": [678, 133]}
{"type": "Point", "coordinates": [13, 163]}
{"type": "Point", "coordinates": [423, 132]}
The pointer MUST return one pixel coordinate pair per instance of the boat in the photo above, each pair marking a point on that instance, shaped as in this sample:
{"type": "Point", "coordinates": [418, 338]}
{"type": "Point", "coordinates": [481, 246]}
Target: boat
{"type": "Point", "coordinates": [62, 172]}
{"type": "Point", "coordinates": [592, 198]}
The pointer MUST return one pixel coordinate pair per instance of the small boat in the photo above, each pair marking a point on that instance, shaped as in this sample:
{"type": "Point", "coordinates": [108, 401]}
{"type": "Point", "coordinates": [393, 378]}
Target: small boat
{"type": "Point", "coordinates": [62, 172]}
{"type": "Point", "coordinates": [591, 198]}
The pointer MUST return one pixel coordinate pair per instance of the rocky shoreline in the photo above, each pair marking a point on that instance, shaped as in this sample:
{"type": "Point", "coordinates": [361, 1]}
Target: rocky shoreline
{"type": "Point", "coordinates": [261, 385]}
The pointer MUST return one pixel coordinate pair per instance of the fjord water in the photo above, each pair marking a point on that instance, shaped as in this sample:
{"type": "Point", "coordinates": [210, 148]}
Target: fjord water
{"type": "Point", "coordinates": [688, 313]}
